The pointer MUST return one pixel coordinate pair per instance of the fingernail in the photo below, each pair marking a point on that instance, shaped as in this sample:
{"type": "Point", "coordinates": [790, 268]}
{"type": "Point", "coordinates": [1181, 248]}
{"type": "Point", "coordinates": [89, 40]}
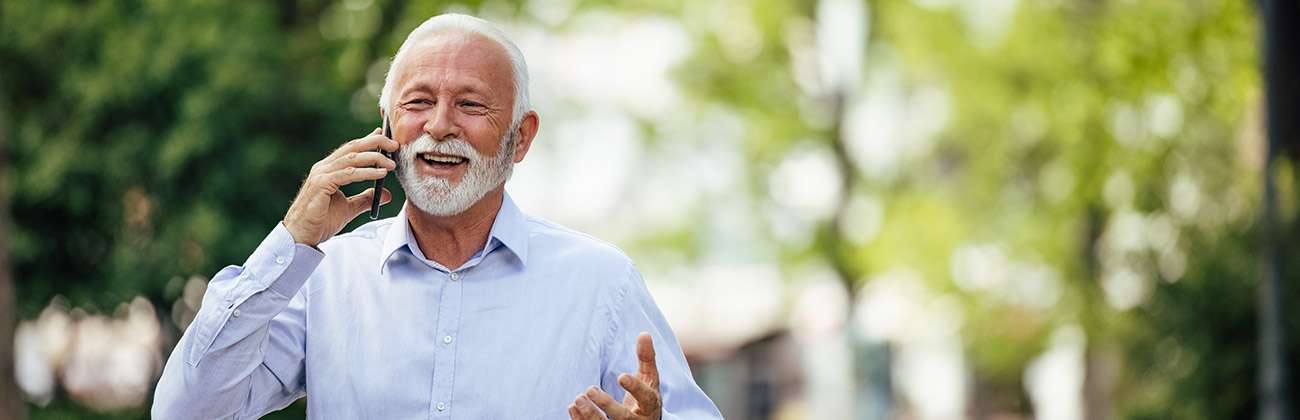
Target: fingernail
{"type": "Point", "coordinates": [591, 392]}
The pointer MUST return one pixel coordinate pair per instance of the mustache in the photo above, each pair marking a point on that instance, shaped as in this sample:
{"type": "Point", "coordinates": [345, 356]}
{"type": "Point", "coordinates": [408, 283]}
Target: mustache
{"type": "Point", "coordinates": [426, 144]}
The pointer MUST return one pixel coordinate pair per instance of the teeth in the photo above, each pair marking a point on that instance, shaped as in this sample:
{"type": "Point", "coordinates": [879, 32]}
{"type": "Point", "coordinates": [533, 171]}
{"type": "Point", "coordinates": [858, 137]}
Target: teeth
{"type": "Point", "coordinates": [442, 159]}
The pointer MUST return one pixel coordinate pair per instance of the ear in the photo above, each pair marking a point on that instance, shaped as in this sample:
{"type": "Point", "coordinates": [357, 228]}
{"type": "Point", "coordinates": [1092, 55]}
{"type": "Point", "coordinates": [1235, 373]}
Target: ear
{"type": "Point", "coordinates": [527, 131]}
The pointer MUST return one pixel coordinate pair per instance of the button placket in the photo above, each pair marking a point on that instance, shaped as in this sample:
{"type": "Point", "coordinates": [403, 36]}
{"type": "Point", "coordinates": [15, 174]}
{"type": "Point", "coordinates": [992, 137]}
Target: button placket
{"type": "Point", "coordinates": [447, 326]}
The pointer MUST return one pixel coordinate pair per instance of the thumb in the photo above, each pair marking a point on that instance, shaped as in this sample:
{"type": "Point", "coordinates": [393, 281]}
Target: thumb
{"type": "Point", "coordinates": [360, 203]}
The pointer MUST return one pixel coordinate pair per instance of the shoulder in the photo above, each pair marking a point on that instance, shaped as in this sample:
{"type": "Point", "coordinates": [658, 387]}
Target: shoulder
{"type": "Point", "coordinates": [350, 255]}
{"type": "Point", "coordinates": [555, 243]}
{"type": "Point", "coordinates": [360, 244]}
{"type": "Point", "coordinates": [369, 232]}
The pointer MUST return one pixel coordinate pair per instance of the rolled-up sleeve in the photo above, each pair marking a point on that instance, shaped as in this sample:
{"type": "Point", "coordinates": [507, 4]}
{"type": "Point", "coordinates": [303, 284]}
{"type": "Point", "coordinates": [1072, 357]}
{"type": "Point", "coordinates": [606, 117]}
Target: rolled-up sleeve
{"type": "Point", "coordinates": [242, 356]}
{"type": "Point", "coordinates": [632, 311]}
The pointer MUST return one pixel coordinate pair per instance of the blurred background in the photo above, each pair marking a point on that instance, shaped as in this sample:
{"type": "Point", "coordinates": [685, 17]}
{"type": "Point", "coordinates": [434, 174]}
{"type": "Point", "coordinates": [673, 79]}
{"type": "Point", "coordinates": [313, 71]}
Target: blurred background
{"type": "Point", "coordinates": [881, 209]}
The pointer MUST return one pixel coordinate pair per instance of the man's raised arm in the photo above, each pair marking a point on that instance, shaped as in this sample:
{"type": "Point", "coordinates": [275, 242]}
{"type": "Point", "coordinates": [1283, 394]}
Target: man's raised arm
{"type": "Point", "coordinates": [243, 354]}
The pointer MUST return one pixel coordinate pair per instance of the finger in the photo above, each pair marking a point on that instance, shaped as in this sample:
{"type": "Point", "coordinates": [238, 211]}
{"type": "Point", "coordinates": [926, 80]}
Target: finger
{"type": "Point", "coordinates": [647, 399]}
{"type": "Point", "coordinates": [359, 160]}
{"type": "Point", "coordinates": [349, 175]}
{"type": "Point", "coordinates": [368, 159]}
{"type": "Point", "coordinates": [607, 403]}
{"type": "Point", "coordinates": [368, 143]}
{"type": "Point", "coordinates": [588, 409]}
{"type": "Point", "coordinates": [645, 354]}
{"type": "Point", "coordinates": [361, 202]}
{"type": "Point", "coordinates": [574, 414]}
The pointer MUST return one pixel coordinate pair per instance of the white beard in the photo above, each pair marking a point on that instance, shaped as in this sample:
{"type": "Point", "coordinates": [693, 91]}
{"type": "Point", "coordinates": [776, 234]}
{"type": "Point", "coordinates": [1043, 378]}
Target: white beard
{"type": "Point", "coordinates": [438, 196]}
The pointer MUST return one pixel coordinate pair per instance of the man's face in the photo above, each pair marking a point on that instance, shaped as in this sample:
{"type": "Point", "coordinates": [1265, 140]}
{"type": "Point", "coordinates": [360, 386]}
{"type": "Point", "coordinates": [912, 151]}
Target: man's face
{"type": "Point", "coordinates": [452, 112]}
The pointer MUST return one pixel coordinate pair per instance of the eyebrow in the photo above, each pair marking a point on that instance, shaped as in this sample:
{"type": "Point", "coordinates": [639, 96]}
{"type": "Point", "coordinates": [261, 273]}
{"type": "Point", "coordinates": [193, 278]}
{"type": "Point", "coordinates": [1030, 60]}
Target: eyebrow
{"type": "Point", "coordinates": [472, 88]}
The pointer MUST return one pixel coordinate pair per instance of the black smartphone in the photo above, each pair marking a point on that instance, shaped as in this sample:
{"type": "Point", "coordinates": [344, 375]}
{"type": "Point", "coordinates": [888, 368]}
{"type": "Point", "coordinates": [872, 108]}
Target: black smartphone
{"type": "Point", "coordinates": [379, 183]}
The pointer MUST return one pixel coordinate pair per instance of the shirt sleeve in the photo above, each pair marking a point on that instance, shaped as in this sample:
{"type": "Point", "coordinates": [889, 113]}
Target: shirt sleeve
{"type": "Point", "coordinates": [243, 354]}
{"type": "Point", "coordinates": [633, 311]}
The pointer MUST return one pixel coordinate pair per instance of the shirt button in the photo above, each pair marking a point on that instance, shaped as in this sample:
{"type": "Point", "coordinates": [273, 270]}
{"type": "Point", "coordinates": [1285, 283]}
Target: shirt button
{"type": "Point", "coordinates": [455, 276]}
{"type": "Point", "coordinates": [235, 313]}
{"type": "Point", "coordinates": [446, 339]}
{"type": "Point", "coordinates": [442, 406]}
{"type": "Point", "coordinates": [279, 260]}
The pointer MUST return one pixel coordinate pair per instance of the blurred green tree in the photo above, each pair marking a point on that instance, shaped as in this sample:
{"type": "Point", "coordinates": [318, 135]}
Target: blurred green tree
{"type": "Point", "coordinates": [1115, 142]}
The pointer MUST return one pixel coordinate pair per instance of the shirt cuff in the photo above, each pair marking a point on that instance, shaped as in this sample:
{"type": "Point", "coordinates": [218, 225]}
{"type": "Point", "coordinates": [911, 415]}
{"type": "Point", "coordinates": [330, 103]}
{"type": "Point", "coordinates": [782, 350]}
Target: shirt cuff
{"type": "Point", "coordinates": [283, 263]}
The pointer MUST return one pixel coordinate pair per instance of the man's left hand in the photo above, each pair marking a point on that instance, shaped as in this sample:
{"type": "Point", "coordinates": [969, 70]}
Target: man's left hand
{"type": "Point", "coordinates": [642, 400]}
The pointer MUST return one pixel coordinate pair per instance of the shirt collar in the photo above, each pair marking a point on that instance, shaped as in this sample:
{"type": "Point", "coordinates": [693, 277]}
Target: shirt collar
{"type": "Point", "coordinates": [510, 228]}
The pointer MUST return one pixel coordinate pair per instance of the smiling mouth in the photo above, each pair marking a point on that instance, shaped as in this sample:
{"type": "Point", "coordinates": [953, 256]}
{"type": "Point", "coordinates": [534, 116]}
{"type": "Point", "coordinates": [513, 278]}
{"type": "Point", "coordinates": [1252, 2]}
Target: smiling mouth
{"type": "Point", "coordinates": [441, 161]}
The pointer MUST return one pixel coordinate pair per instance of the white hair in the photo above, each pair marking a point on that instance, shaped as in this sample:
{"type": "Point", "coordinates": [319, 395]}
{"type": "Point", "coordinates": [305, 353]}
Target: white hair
{"type": "Point", "coordinates": [452, 22]}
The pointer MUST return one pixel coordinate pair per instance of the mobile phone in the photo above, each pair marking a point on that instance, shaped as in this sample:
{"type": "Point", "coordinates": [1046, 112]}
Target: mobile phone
{"type": "Point", "coordinates": [379, 183]}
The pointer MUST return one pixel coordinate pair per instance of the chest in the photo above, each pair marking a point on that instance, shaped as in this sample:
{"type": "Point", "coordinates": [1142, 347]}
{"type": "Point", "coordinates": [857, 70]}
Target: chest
{"type": "Point", "coordinates": [417, 343]}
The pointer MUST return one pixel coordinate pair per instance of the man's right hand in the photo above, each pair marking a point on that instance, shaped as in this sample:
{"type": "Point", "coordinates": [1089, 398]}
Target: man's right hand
{"type": "Point", "coordinates": [321, 209]}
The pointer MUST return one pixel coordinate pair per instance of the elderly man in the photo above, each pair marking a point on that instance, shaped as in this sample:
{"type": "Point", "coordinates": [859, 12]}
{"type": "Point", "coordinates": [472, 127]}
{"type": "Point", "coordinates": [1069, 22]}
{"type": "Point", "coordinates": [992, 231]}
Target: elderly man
{"type": "Point", "coordinates": [459, 307]}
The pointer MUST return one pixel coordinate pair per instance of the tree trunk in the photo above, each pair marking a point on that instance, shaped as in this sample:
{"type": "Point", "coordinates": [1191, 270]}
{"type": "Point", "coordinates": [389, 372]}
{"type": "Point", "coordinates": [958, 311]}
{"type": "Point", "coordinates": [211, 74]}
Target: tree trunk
{"type": "Point", "coordinates": [11, 402]}
{"type": "Point", "coordinates": [1283, 92]}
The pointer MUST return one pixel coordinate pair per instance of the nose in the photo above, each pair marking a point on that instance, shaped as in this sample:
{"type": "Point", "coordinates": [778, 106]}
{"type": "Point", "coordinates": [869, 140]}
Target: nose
{"type": "Point", "coordinates": [442, 124]}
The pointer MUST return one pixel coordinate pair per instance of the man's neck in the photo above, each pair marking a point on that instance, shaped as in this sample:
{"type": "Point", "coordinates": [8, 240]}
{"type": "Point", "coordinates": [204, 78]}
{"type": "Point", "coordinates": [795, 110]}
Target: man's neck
{"type": "Point", "coordinates": [452, 240]}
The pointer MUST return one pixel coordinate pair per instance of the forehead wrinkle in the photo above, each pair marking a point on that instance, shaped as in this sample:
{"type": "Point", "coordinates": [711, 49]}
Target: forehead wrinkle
{"type": "Point", "coordinates": [469, 84]}
{"type": "Point", "coordinates": [455, 51]}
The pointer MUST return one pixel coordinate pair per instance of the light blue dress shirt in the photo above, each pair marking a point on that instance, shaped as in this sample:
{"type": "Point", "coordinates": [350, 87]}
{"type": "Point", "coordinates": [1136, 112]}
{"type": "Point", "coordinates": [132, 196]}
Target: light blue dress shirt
{"type": "Point", "coordinates": [368, 328]}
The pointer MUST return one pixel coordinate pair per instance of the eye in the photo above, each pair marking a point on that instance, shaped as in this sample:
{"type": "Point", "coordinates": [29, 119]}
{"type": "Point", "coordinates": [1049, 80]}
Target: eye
{"type": "Point", "coordinates": [418, 103]}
